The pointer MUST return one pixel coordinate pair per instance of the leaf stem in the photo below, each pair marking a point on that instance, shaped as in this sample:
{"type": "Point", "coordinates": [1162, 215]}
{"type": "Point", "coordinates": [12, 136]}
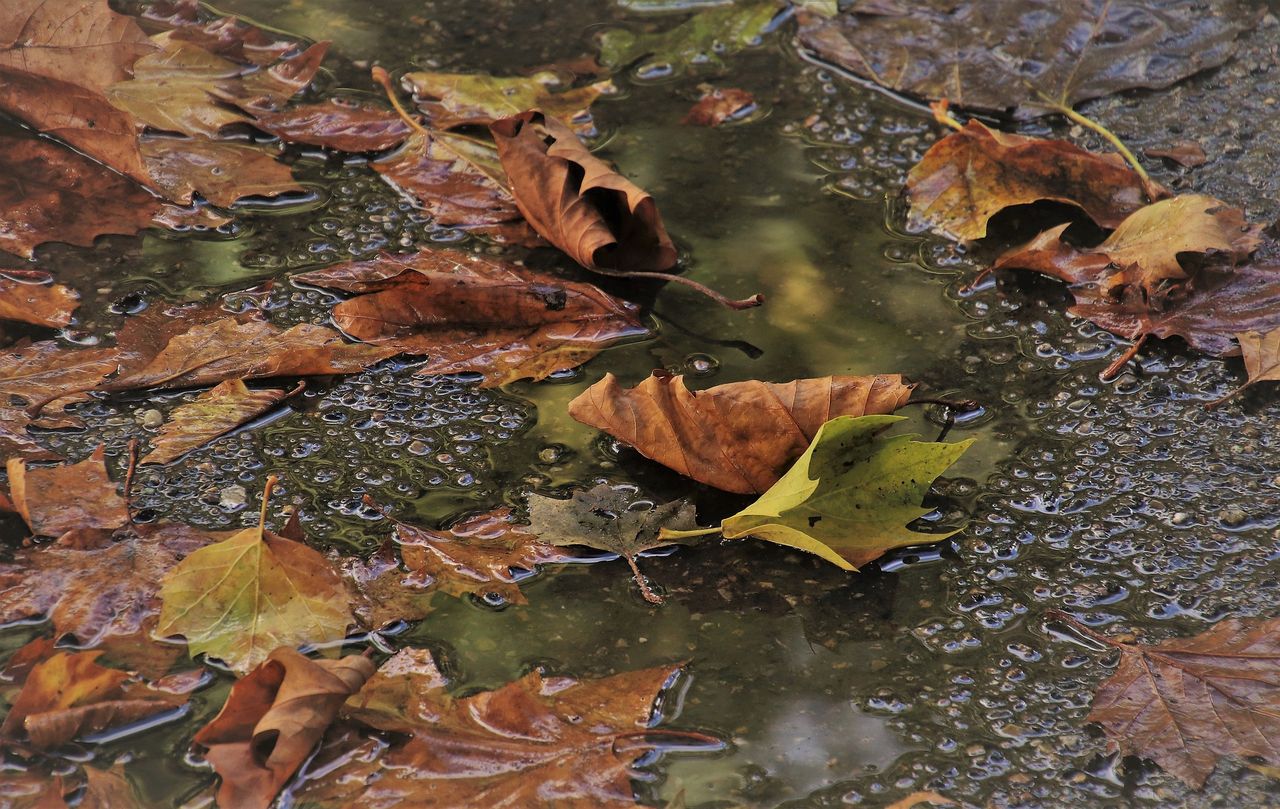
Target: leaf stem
{"type": "Point", "coordinates": [1107, 135]}
{"type": "Point", "coordinates": [649, 595]}
{"type": "Point", "coordinates": [723, 300]}
{"type": "Point", "coordinates": [942, 114]}
{"type": "Point", "coordinates": [272, 480]}
{"type": "Point", "coordinates": [671, 533]}
{"type": "Point", "coordinates": [1113, 370]}
{"type": "Point", "coordinates": [383, 78]}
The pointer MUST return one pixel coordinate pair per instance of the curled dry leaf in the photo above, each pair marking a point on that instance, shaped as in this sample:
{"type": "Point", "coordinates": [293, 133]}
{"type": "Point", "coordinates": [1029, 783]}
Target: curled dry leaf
{"type": "Point", "coordinates": [456, 99]}
{"type": "Point", "coordinates": [718, 105]}
{"type": "Point", "coordinates": [1145, 247]}
{"type": "Point", "coordinates": [272, 719]}
{"type": "Point", "coordinates": [339, 124]}
{"type": "Point", "coordinates": [578, 202]}
{"type": "Point", "coordinates": [471, 314]}
{"type": "Point", "coordinates": [738, 437]}
{"type": "Point", "coordinates": [213, 413]}
{"type": "Point", "coordinates": [55, 500]}
{"type": "Point", "coordinates": [1029, 56]}
{"type": "Point", "coordinates": [30, 296]}
{"type": "Point", "coordinates": [971, 175]}
{"type": "Point", "coordinates": [1185, 703]}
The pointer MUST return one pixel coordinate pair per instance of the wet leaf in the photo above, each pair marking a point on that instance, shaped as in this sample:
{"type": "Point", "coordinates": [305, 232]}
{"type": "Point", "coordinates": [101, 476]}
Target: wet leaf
{"type": "Point", "coordinates": [455, 99]}
{"type": "Point", "coordinates": [1261, 356]}
{"type": "Point", "coordinates": [16, 442]}
{"type": "Point", "coordinates": [386, 592]}
{"type": "Point", "coordinates": [971, 175]}
{"type": "Point", "coordinates": [1145, 247]}
{"type": "Point", "coordinates": [472, 314]}
{"type": "Point", "coordinates": [718, 105]}
{"type": "Point", "coordinates": [339, 124]}
{"type": "Point", "coordinates": [229, 37]}
{"type": "Point", "coordinates": [406, 692]}
{"type": "Point", "coordinates": [1185, 703]}
{"type": "Point", "coordinates": [221, 173]}
{"type": "Point", "coordinates": [577, 201]}
{"type": "Point", "coordinates": [272, 719]}
{"type": "Point", "coordinates": [57, 61]}
{"type": "Point", "coordinates": [704, 39]}
{"type": "Point", "coordinates": [610, 519]}
{"type": "Point", "coordinates": [34, 374]}
{"type": "Point", "coordinates": [1186, 153]}
{"type": "Point", "coordinates": [108, 788]}
{"type": "Point", "coordinates": [240, 598]}
{"type": "Point", "coordinates": [30, 789]}
{"type": "Point", "coordinates": [849, 498]}
{"type": "Point", "coordinates": [738, 437]}
{"type": "Point", "coordinates": [55, 500]}
{"type": "Point", "coordinates": [30, 296]}
{"type": "Point", "coordinates": [1024, 55]}
{"type": "Point", "coordinates": [213, 413]}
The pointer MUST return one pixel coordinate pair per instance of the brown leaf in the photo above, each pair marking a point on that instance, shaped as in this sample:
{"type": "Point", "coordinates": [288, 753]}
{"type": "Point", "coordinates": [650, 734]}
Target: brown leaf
{"type": "Point", "coordinates": [30, 789]}
{"type": "Point", "coordinates": [56, 62]}
{"type": "Point", "coordinates": [1186, 702]}
{"type": "Point", "coordinates": [577, 201]}
{"type": "Point", "coordinates": [220, 172]}
{"type": "Point", "coordinates": [457, 99]}
{"type": "Point", "coordinates": [272, 719]}
{"type": "Point", "coordinates": [971, 175]}
{"type": "Point", "coordinates": [108, 789]}
{"type": "Point", "coordinates": [340, 124]}
{"type": "Point", "coordinates": [738, 437]}
{"type": "Point", "coordinates": [1022, 55]}
{"type": "Point", "coordinates": [718, 105]}
{"type": "Point", "coordinates": [1145, 246]}
{"type": "Point", "coordinates": [1186, 153]}
{"type": "Point", "coordinates": [472, 314]}
{"type": "Point", "coordinates": [385, 592]}
{"type": "Point", "coordinates": [37, 373]}
{"type": "Point", "coordinates": [270, 89]}
{"type": "Point", "coordinates": [30, 296]}
{"type": "Point", "coordinates": [213, 413]}
{"type": "Point", "coordinates": [55, 500]}
{"type": "Point", "coordinates": [16, 442]}
{"type": "Point", "coordinates": [229, 37]}
{"type": "Point", "coordinates": [1261, 360]}
{"type": "Point", "coordinates": [406, 692]}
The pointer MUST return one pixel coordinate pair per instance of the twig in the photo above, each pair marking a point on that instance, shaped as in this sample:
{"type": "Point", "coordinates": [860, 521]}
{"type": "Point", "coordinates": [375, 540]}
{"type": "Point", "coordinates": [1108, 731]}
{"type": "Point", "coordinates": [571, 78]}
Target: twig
{"type": "Point", "coordinates": [1113, 370]}
{"type": "Point", "coordinates": [649, 595]}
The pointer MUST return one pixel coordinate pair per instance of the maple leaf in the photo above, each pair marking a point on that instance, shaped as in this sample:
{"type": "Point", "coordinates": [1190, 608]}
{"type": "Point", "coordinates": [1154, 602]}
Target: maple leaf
{"type": "Point", "coordinates": [222, 173]}
{"type": "Point", "coordinates": [456, 99]}
{"type": "Point", "coordinates": [849, 498]}
{"type": "Point", "coordinates": [30, 296]}
{"type": "Point", "coordinates": [1186, 702]}
{"type": "Point", "coordinates": [971, 175]}
{"type": "Point", "coordinates": [610, 519]}
{"type": "Point", "coordinates": [240, 598]}
{"type": "Point", "coordinates": [1029, 56]}
{"type": "Point", "coordinates": [472, 314]}
{"type": "Point", "coordinates": [272, 719]}
{"type": "Point", "coordinates": [1145, 246]}
{"type": "Point", "coordinates": [738, 437]}
{"type": "Point", "coordinates": [59, 499]}
{"type": "Point", "coordinates": [335, 123]}
{"type": "Point", "coordinates": [718, 105]}
{"type": "Point", "coordinates": [1261, 360]}
{"type": "Point", "coordinates": [213, 413]}
{"type": "Point", "coordinates": [405, 692]}
{"type": "Point", "coordinates": [703, 39]}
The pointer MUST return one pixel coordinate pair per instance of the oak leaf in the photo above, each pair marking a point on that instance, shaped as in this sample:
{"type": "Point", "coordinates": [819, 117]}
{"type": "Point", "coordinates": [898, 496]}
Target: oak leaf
{"type": "Point", "coordinates": [472, 314]}
{"type": "Point", "coordinates": [738, 437]}
{"type": "Point", "coordinates": [1027, 56]}
{"type": "Point", "coordinates": [971, 175]}
{"type": "Point", "coordinates": [849, 498]}
{"type": "Point", "coordinates": [720, 104]}
{"type": "Point", "coordinates": [213, 413]}
{"type": "Point", "coordinates": [578, 202]}
{"type": "Point", "coordinates": [704, 39]}
{"type": "Point", "coordinates": [55, 500]}
{"type": "Point", "coordinates": [456, 99]}
{"type": "Point", "coordinates": [272, 719]}
{"type": "Point", "coordinates": [339, 124]}
{"type": "Point", "coordinates": [30, 296]}
{"type": "Point", "coordinates": [1185, 703]}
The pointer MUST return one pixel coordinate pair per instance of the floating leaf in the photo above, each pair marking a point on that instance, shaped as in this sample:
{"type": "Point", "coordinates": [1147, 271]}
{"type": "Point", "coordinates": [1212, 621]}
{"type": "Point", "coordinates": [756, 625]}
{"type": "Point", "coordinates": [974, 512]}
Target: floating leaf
{"type": "Point", "coordinates": [1186, 153]}
{"type": "Point", "coordinates": [30, 296]}
{"type": "Point", "coordinates": [340, 124]}
{"type": "Point", "coordinates": [213, 413]}
{"type": "Point", "coordinates": [738, 437]}
{"type": "Point", "coordinates": [221, 173]}
{"type": "Point", "coordinates": [55, 500]}
{"type": "Point", "coordinates": [704, 39]}
{"type": "Point", "coordinates": [1261, 358]}
{"type": "Point", "coordinates": [455, 99]}
{"type": "Point", "coordinates": [405, 693]}
{"type": "Point", "coordinates": [849, 498]}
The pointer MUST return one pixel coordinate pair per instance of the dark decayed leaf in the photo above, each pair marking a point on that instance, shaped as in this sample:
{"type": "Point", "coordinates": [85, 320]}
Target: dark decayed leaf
{"type": "Point", "coordinates": [213, 413]}
{"type": "Point", "coordinates": [472, 314]}
{"type": "Point", "coordinates": [739, 437]}
{"type": "Point", "coordinates": [610, 519]}
{"type": "Point", "coordinates": [971, 175]}
{"type": "Point", "coordinates": [1185, 703]}
{"type": "Point", "coordinates": [55, 500]}
{"type": "Point", "coordinates": [271, 721]}
{"type": "Point", "coordinates": [339, 124]}
{"type": "Point", "coordinates": [30, 296]}
{"type": "Point", "coordinates": [718, 105]}
{"type": "Point", "coordinates": [455, 99]}
{"type": "Point", "coordinates": [1026, 55]}
{"type": "Point", "coordinates": [578, 202]}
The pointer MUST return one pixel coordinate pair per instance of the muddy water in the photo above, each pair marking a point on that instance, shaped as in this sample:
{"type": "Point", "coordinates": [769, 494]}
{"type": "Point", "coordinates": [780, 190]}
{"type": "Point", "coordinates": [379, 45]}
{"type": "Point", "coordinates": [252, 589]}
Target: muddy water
{"type": "Point", "coordinates": [1125, 502]}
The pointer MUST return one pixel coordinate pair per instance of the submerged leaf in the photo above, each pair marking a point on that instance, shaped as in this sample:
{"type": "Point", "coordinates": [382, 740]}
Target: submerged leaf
{"type": "Point", "coordinates": [30, 296]}
{"type": "Point", "coordinates": [703, 39]}
{"type": "Point", "coordinates": [340, 124]}
{"type": "Point", "coordinates": [455, 99]}
{"type": "Point", "coordinates": [738, 437]}
{"type": "Point", "coordinates": [718, 105]}
{"type": "Point", "coordinates": [213, 413]}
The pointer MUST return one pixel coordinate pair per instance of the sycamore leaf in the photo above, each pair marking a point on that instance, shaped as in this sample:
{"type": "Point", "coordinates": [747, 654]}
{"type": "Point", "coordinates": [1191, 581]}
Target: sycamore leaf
{"type": "Point", "coordinates": [1185, 703]}
{"type": "Point", "coordinates": [610, 519]}
{"type": "Point", "coordinates": [272, 719]}
{"type": "Point", "coordinates": [55, 500]}
{"type": "Point", "coordinates": [213, 413]}
{"type": "Point", "coordinates": [1024, 55]}
{"type": "Point", "coordinates": [229, 37]}
{"type": "Point", "coordinates": [971, 175]}
{"type": "Point", "coordinates": [703, 39]}
{"type": "Point", "coordinates": [739, 437]}
{"type": "Point", "coordinates": [240, 598]}
{"type": "Point", "coordinates": [30, 296]}
{"type": "Point", "coordinates": [1261, 359]}
{"type": "Point", "coordinates": [849, 497]}
{"type": "Point", "coordinates": [456, 99]}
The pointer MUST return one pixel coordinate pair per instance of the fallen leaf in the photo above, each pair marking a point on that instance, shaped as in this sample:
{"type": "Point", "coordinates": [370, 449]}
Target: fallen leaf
{"type": "Point", "coordinates": [221, 173]}
{"type": "Point", "coordinates": [272, 719]}
{"type": "Point", "coordinates": [339, 124]}
{"type": "Point", "coordinates": [1184, 703]}
{"type": "Point", "coordinates": [916, 798]}
{"type": "Point", "coordinates": [1261, 357]}
{"type": "Point", "coordinates": [1145, 247]}
{"type": "Point", "coordinates": [971, 175]}
{"type": "Point", "coordinates": [610, 519]}
{"type": "Point", "coordinates": [577, 201]}
{"type": "Point", "coordinates": [704, 39]}
{"type": "Point", "coordinates": [16, 442]}
{"type": "Point", "coordinates": [229, 37]}
{"type": "Point", "coordinates": [108, 789]}
{"type": "Point", "coordinates": [30, 296]}
{"type": "Point", "coordinates": [213, 413]}
{"type": "Point", "coordinates": [57, 61]}
{"type": "Point", "coordinates": [1186, 153]}
{"type": "Point", "coordinates": [30, 789]}
{"type": "Point", "coordinates": [718, 105]}
{"type": "Point", "coordinates": [849, 498]}
{"type": "Point", "coordinates": [457, 99]}
{"type": "Point", "coordinates": [386, 592]}
{"type": "Point", "coordinates": [738, 437]}
{"type": "Point", "coordinates": [55, 500]}
{"type": "Point", "coordinates": [479, 555]}
{"type": "Point", "coordinates": [240, 598]}
{"type": "Point", "coordinates": [1025, 56]}
{"type": "Point", "coordinates": [270, 89]}
{"type": "Point", "coordinates": [472, 314]}
{"type": "Point", "coordinates": [406, 692]}
{"type": "Point", "coordinates": [35, 374]}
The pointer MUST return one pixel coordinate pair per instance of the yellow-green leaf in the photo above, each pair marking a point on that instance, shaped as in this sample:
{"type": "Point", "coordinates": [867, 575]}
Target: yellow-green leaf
{"type": "Point", "coordinates": [455, 99]}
